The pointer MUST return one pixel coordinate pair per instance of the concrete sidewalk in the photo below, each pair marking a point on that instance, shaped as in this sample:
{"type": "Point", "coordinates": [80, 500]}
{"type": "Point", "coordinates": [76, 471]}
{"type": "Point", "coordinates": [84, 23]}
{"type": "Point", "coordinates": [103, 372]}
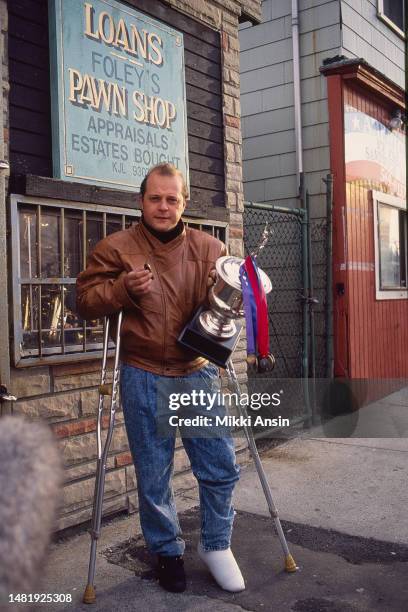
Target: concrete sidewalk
{"type": "Point", "coordinates": [356, 487]}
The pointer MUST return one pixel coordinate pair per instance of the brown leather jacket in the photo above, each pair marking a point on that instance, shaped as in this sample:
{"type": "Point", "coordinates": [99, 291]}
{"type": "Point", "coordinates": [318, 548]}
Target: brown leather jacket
{"type": "Point", "coordinates": [152, 322]}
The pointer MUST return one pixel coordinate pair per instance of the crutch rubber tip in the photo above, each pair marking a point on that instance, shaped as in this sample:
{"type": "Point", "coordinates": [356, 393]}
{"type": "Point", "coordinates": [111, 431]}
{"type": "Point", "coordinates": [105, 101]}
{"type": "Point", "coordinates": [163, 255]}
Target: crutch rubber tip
{"type": "Point", "coordinates": [89, 595]}
{"type": "Point", "coordinates": [290, 565]}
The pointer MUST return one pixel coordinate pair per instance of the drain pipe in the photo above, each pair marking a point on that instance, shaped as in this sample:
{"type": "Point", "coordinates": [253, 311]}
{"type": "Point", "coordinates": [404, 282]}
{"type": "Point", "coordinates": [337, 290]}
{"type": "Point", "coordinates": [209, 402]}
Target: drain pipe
{"type": "Point", "coordinates": [296, 92]}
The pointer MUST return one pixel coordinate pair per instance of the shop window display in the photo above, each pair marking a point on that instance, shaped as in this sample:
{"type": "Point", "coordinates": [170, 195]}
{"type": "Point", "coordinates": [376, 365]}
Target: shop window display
{"type": "Point", "coordinates": [53, 244]}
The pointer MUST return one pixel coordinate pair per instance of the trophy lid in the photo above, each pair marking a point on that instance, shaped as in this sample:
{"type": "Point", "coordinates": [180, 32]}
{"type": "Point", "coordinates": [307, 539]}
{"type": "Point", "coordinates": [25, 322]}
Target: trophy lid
{"type": "Point", "coordinates": [228, 269]}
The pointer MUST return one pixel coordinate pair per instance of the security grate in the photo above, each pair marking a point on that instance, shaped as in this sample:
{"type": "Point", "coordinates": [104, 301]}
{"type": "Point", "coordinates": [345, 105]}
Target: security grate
{"type": "Point", "coordinates": [51, 242]}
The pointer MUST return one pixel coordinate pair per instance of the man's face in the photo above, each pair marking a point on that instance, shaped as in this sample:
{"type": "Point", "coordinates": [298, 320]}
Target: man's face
{"type": "Point", "coordinates": [163, 202]}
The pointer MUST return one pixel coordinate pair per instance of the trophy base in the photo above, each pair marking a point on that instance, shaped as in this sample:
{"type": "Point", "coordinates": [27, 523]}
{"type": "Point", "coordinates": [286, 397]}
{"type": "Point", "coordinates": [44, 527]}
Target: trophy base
{"type": "Point", "coordinates": [217, 350]}
{"type": "Point", "coordinates": [219, 327]}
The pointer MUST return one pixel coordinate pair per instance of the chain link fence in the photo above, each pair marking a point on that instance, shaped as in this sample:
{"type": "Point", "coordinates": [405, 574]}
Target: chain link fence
{"type": "Point", "coordinates": [318, 230]}
{"type": "Point", "coordinates": [297, 304]}
{"type": "Point", "coordinates": [281, 260]}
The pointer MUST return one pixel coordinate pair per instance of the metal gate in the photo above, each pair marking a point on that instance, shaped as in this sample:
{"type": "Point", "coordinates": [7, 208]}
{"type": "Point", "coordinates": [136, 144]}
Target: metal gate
{"type": "Point", "coordinates": [297, 259]}
{"type": "Point", "coordinates": [281, 259]}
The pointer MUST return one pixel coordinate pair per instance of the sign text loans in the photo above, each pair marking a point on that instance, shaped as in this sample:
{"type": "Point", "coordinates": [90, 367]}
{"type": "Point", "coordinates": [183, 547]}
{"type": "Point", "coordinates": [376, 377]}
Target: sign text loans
{"type": "Point", "coordinates": [119, 101]}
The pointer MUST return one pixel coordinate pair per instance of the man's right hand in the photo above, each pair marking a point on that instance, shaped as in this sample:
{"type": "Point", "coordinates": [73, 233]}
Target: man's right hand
{"type": "Point", "coordinates": [138, 281]}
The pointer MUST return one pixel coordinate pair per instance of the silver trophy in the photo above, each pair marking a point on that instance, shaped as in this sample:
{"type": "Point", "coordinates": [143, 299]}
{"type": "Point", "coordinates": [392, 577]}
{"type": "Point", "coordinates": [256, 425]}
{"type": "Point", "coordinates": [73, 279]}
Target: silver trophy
{"type": "Point", "coordinates": [214, 332]}
{"type": "Point", "coordinates": [225, 298]}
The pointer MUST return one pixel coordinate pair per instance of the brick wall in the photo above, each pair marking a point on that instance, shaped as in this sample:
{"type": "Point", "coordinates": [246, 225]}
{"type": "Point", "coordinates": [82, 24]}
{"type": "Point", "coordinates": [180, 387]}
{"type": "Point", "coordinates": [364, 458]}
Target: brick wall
{"type": "Point", "coordinates": [4, 139]}
{"type": "Point", "coordinates": [66, 395]}
{"type": "Point", "coordinates": [67, 398]}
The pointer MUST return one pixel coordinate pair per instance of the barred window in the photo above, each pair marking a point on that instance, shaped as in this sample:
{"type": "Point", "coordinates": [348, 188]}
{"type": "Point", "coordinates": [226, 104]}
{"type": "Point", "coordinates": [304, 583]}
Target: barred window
{"type": "Point", "coordinates": [50, 245]}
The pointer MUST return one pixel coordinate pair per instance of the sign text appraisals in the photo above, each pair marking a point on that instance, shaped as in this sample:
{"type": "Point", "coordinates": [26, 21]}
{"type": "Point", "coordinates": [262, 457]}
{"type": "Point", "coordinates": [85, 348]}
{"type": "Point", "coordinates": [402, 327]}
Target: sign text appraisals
{"type": "Point", "coordinates": [118, 93]}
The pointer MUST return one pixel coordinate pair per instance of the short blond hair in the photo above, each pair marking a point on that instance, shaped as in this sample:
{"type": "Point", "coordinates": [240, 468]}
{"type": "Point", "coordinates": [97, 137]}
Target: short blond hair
{"type": "Point", "coordinates": [165, 169]}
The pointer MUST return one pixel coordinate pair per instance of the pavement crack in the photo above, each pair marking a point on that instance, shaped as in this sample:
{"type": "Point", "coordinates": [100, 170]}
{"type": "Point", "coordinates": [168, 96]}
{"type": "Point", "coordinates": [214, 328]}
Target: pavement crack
{"type": "Point", "coordinates": [359, 445]}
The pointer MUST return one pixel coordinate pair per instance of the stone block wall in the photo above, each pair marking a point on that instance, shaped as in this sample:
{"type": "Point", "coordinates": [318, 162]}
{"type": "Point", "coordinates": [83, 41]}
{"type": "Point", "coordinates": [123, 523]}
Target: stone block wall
{"type": "Point", "coordinates": [4, 140]}
{"type": "Point", "coordinates": [66, 396]}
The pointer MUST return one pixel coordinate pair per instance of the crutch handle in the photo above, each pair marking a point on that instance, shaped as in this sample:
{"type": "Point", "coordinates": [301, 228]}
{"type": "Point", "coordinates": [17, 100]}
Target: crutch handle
{"type": "Point", "coordinates": [106, 389]}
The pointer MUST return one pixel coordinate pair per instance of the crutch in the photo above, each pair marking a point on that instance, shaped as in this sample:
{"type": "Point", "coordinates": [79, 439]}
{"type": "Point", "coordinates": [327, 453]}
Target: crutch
{"type": "Point", "coordinates": [290, 565]}
{"type": "Point", "coordinates": [110, 389]}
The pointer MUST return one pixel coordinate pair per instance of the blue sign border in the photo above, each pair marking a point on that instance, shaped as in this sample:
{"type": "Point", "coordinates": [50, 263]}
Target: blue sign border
{"type": "Point", "coordinates": [63, 168]}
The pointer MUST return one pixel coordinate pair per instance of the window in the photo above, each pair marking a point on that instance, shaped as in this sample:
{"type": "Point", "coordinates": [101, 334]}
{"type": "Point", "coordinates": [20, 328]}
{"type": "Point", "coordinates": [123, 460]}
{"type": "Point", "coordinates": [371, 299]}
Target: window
{"type": "Point", "coordinates": [50, 245]}
{"type": "Point", "coordinates": [392, 12]}
{"type": "Point", "coordinates": [390, 239]}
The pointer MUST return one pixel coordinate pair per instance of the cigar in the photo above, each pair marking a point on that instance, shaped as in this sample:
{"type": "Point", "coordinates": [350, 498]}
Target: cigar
{"type": "Point", "coordinates": [148, 268]}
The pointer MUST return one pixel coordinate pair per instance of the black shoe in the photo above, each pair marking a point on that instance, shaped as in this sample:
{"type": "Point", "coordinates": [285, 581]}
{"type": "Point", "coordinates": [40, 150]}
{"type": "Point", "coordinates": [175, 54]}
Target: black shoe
{"type": "Point", "coordinates": [171, 573]}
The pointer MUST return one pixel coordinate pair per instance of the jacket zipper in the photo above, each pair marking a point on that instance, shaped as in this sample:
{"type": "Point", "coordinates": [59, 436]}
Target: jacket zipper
{"type": "Point", "coordinates": [165, 322]}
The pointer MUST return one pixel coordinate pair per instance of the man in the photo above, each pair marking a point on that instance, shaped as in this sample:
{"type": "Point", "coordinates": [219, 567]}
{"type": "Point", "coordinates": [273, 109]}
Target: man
{"type": "Point", "coordinates": [158, 299]}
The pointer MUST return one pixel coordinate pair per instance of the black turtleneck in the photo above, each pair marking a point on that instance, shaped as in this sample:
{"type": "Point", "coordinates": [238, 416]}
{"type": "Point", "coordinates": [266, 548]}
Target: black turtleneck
{"type": "Point", "coordinates": [164, 237]}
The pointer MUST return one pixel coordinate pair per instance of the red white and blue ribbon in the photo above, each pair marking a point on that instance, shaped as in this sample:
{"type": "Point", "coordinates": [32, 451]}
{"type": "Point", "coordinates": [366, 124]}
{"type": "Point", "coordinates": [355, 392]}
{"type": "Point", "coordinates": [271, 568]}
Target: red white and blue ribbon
{"type": "Point", "coordinates": [256, 310]}
{"type": "Point", "coordinates": [250, 312]}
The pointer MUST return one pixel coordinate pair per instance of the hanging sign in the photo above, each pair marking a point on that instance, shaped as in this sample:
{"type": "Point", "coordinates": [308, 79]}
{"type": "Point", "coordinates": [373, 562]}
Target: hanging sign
{"type": "Point", "coordinates": [118, 93]}
{"type": "Point", "coordinates": [374, 152]}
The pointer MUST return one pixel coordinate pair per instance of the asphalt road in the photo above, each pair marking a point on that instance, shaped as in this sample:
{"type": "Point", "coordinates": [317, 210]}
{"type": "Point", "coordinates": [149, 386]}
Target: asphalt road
{"type": "Point", "coordinates": [344, 503]}
{"type": "Point", "coordinates": [337, 572]}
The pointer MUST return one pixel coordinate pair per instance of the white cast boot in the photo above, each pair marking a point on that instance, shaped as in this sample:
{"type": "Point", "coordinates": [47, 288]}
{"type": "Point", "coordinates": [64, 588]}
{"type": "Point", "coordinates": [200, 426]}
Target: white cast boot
{"type": "Point", "coordinates": [223, 568]}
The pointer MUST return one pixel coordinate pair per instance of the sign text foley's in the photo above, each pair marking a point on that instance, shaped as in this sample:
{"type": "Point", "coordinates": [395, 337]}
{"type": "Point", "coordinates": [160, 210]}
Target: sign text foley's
{"type": "Point", "coordinates": [118, 93]}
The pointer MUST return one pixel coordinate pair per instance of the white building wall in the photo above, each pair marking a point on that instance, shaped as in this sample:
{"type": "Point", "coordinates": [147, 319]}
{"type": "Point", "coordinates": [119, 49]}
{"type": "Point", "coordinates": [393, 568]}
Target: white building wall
{"type": "Point", "coordinates": [327, 28]}
{"type": "Point", "coordinates": [365, 35]}
{"type": "Point", "coordinates": [269, 161]}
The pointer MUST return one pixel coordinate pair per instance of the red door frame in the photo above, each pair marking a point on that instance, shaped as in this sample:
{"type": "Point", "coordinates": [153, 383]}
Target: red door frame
{"type": "Point", "coordinates": [337, 164]}
{"type": "Point", "coordinates": [381, 88]}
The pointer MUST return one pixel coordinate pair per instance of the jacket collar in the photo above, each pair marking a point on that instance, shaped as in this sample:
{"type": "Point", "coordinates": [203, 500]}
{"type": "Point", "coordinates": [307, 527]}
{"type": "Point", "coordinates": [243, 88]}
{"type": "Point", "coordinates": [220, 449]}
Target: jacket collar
{"type": "Point", "coordinates": [164, 237]}
{"type": "Point", "coordinates": [154, 243]}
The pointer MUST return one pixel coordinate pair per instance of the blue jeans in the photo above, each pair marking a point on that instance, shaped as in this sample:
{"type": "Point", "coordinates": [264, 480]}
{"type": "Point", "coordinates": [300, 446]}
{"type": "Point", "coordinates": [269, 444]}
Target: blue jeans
{"type": "Point", "coordinates": [212, 461]}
